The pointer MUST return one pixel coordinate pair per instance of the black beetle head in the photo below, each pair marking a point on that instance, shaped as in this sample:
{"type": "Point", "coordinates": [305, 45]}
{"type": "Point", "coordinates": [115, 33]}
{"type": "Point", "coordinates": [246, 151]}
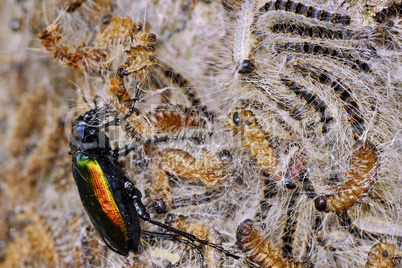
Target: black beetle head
{"type": "Point", "coordinates": [86, 134]}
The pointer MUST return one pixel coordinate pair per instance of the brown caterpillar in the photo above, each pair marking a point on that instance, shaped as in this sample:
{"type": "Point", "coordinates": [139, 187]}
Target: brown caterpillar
{"type": "Point", "coordinates": [258, 249]}
{"type": "Point", "coordinates": [166, 120]}
{"type": "Point", "coordinates": [172, 121]}
{"type": "Point", "coordinates": [212, 258]}
{"type": "Point", "coordinates": [360, 180]}
{"type": "Point", "coordinates": [383, 255]}
{"type": "Point", "coordinates": [244, 121]}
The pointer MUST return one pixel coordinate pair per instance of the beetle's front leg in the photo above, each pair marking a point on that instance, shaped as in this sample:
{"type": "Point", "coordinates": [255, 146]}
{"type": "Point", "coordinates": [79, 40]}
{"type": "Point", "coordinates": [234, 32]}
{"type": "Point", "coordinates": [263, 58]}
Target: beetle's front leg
{"type": "Point", "coordinates": [136, 195]}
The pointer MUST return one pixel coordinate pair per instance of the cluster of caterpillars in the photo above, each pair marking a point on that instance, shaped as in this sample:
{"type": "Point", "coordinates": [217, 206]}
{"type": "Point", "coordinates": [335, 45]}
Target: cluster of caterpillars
{"type": "Point", "coordinates": [313, 34]}
{"type": "Point", "coordinates": [169, 122]}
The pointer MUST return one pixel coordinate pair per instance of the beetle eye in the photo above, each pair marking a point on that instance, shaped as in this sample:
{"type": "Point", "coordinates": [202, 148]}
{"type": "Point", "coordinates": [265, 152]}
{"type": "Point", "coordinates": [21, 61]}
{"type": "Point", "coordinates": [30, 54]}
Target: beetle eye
{"type": "Point", "coordinates": [236, 118]}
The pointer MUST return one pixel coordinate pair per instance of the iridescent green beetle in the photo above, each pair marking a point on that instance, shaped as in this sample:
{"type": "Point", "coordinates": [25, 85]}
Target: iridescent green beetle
{"type": "Point", "coordinates": [110, 199]}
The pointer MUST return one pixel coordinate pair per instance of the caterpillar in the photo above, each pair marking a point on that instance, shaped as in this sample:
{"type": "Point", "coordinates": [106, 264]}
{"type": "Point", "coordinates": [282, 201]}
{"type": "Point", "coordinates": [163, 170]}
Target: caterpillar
{"type": "Point", "coordinates": [303, 30]}
{"type": "Point", "coordinates": [290, 226]}
{"type": "Point", "coordinates": [360, 180]}
{"type": "Point", "coordinates": [244, 39]}
{"type": "Point", "coordinates": [196, 199]}
{"type": "Point", "coordinates": [84, 57]}
{"type": "Point", "coordinates": [318, 104]}
{"type": "Point", "coordinates": [311, 12]}
{"type": "Point", "coordinates": [344, 55]}
{"type": "Point", "coordinates": [351, 106]}
{"type": "Point", "coordinates": [383, 254]}
{"type": "Point", "coordinates": [210, 170]}
{"type": "Point", "coordinates": [258, 248]}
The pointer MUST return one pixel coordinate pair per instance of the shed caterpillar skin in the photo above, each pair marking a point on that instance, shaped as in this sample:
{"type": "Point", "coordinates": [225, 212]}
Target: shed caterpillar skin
{"type": "Point", "coordinates": [244, 122]}
{"type": "Point", "coordinates": [210, 170]}
{"type": "Point", "coordinates": [360, 180]}
{"type": "Point", "coordinates": [258, 248]}
{"type": "Point", "coordinates": [80, 60]}
{"type": "Point", "coordinates": [383, 255]}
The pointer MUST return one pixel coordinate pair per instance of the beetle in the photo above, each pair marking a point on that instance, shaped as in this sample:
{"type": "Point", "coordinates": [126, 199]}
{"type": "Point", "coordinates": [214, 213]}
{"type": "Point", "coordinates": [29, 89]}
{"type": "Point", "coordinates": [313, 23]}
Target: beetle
{"type": "Point", "coordinates": [110, 199]}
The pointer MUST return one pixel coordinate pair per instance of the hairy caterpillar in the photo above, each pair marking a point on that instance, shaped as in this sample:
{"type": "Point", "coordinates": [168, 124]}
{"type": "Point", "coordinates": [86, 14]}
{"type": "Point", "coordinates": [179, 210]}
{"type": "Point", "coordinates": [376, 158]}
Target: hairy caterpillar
{"type": "Point", "coordinates": [318, 104]}
{"type": "Point", "coordinates": [82, 58]}
{"type": "Point", "coordinates": [344, 92]}
{"type": "Point", "coordinates": [310, 12]}
{"type": "Point", "coordinates": [320, 50]}
{"type": "Point", "coordinates": [175, 162]}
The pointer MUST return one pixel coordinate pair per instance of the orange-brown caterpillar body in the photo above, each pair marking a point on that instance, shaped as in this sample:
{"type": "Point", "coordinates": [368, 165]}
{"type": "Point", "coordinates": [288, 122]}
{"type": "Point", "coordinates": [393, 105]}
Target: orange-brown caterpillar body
{"type": "Point", "coordinates": [209, 170]}
{"type": "Point", "coordinates": [258, 248]}
{"type": "Point", "coordinates": [360, 180]}
{"type": "Point", "coordinates": [383, 255]}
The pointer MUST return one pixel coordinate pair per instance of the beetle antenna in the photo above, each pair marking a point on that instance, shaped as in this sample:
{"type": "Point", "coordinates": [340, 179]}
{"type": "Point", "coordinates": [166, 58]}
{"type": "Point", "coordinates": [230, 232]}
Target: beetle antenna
{"type": "Point", "coordinates": [125, 151]}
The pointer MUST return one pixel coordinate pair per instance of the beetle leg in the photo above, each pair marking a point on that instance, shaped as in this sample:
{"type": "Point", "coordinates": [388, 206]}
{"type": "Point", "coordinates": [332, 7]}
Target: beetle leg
{"type": "Point", "coordinates": [136, 195]}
